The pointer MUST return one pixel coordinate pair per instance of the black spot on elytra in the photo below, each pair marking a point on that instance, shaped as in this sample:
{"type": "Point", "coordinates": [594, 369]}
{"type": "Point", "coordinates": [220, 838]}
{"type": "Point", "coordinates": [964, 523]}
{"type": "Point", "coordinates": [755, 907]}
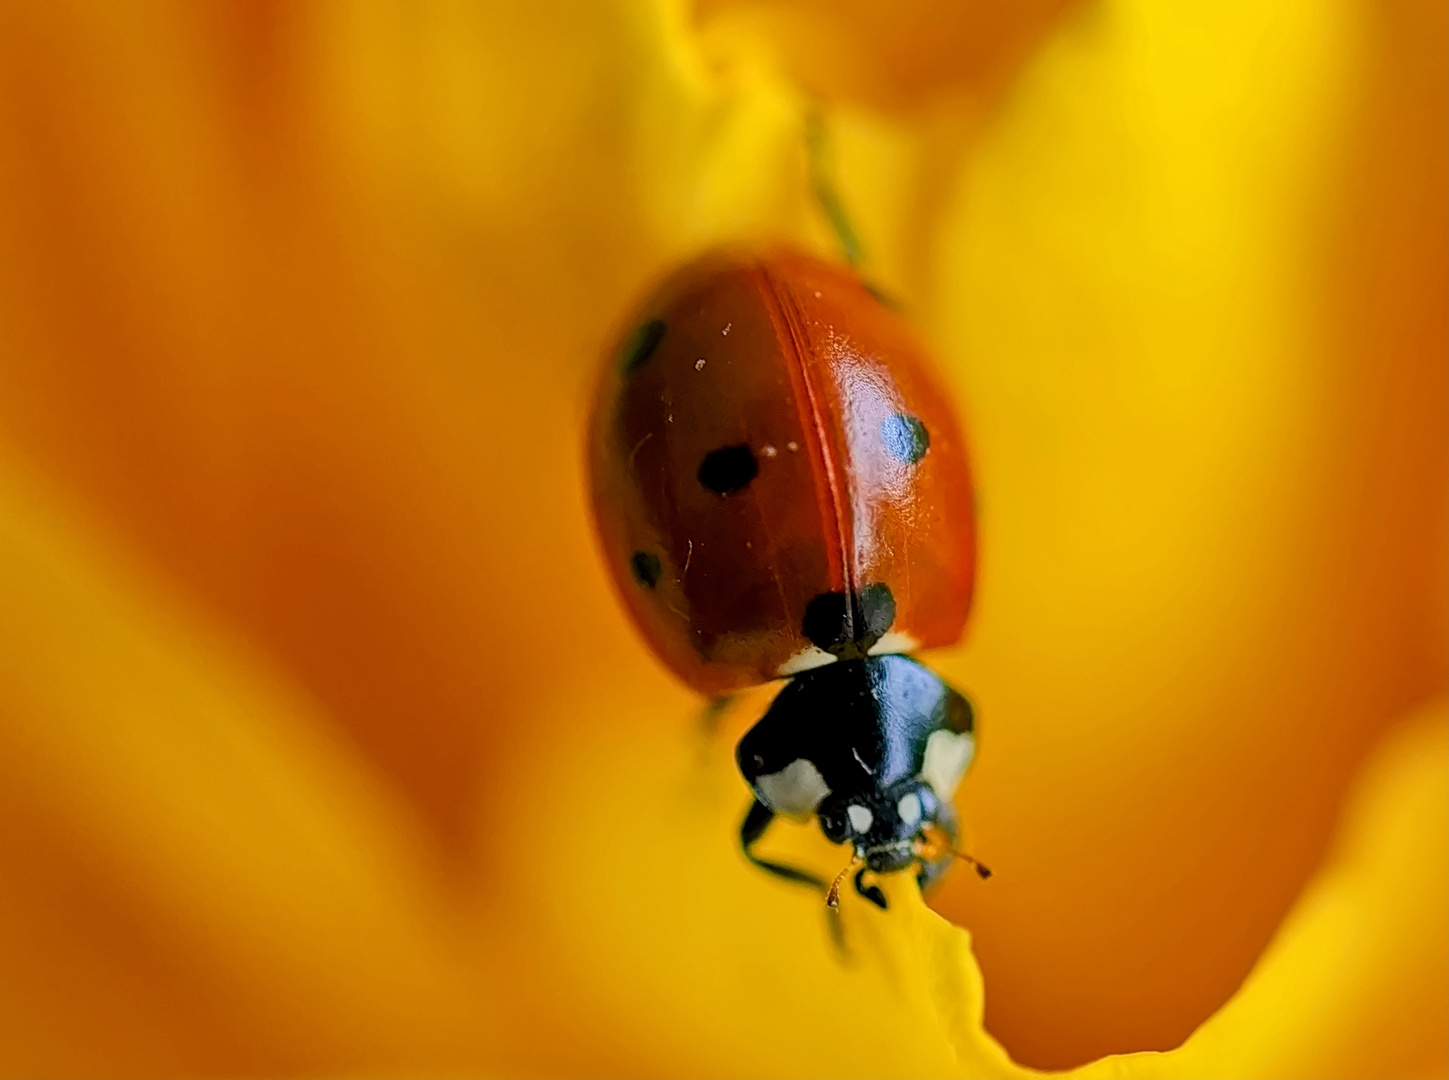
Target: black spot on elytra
{"type": "Point", "coordinates": [641, 345]}
{"type": "Point", "coordinates": [848, 627]}
{"type": "Point", "coordinates": [905, 437]}
{"type": "Point", "coordinates": [644, 565]}
{"type": "Point", "coordinates": [728, 469]}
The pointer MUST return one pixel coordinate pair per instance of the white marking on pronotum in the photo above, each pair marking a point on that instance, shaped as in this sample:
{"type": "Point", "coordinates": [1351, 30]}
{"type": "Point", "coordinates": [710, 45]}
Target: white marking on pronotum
{"type": "Point", "coordinates": [795, 791]}
{"type": "Point", "coordinates": [860, 818]}
{"type": "Point", "coordinates": [726, 331]}
{"type": "Point", "coordinates": [947, 757]}
{"type": "Point", "coordinates": [807, 658]}
{"type": "Point", "coordinates": [894, 641]}
{"type": "Point", "coordinates": [699, 364]}
{"type": "Point", "coordinates": [856, 754]}
{"type": "Point", "coordinates": [768, 451]}
{"type": "Point", "coordinates": [909, 808]}
{"type": "Point", "coordinates": [792, 446]}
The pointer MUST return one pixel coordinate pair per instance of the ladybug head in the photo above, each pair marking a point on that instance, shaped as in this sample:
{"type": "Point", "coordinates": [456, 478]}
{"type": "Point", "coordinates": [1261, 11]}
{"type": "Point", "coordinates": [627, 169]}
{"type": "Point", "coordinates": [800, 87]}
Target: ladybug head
{"type": "Point", "coordinates": [882, 825]}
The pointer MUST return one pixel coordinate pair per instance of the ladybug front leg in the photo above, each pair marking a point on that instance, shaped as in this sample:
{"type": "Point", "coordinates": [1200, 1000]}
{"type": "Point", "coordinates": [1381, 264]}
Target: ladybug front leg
{"type": "Point", "coordinates": [870, 891]}
{"type": "Point", "coordinates": [751, 829]}
{"type": "Point", "coordinates": [936, 860]}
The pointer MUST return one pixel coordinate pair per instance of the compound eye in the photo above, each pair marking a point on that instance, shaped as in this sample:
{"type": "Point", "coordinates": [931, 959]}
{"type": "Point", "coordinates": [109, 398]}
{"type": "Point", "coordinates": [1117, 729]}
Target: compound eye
{"type": "Point", "coordinates": [834, 827]}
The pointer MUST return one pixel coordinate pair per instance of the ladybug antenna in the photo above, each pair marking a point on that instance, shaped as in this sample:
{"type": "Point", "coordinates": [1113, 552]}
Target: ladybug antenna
{"type": "Point", "coordinates": [934, 843]}
{"type": "Point", "coordinates": [832, 897]}
{"type": "Point", "coordinates": [982, 870]}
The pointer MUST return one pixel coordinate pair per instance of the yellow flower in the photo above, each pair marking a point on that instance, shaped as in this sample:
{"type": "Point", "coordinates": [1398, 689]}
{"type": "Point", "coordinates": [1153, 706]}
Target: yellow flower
{"type": "Point", "coordinates": [323, 746]}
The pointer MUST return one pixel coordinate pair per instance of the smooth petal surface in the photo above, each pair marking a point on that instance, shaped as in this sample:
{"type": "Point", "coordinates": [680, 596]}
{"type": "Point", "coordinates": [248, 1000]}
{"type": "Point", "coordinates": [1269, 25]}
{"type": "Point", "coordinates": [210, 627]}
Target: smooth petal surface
{"type": "Point", "coordinates": [1356, 983]}
{"type": "Point", "coordinates": [198, 880]}
{"type": "Point", "coordinates": [1198, 313]}
{"type": "Point", "coordinates": [325, 749]}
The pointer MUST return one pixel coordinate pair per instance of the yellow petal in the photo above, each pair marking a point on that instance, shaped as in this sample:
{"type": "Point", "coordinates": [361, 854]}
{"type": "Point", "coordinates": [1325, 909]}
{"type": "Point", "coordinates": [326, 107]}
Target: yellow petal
{"type": "Point", "coordinates": [1356, 983]}
{"type": "Point", "coordinates": [1211, 475]}
{"type": "Point", "coordinates": [198, 880]}
{"type": "Point", "coordinates": [899, 56]}
{"type": "Point", "coordinates": [313, 334]}
{"type": "Point", "coordinates": [660, 952]}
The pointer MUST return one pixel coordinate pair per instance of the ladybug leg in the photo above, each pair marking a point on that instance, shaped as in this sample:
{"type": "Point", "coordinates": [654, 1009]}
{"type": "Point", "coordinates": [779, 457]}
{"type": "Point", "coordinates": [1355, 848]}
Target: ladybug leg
{"type": "Point", "coordinates": [751, 829]}
{"type": "Point", "coordinates": [869, 891]}
{"type": "Point", "coordinates": [712, 712]}
{"type": "Point", "coordinates": [932, 869]}
{"type": "Point", "coordinates": [822, 179]}
{"type": "Point", "coordinates": [935, 848]}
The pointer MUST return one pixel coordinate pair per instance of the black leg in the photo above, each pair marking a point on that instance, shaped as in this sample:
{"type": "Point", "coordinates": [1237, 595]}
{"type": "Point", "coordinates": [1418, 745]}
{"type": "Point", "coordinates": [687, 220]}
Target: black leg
{"type": "Point", "coordinates": [822, 179]}
{"type": "Point", "coordinates": [751, 829]}
{"type": "Point", "coordinates": [932, 872]}
{"type": "Point", "coordinates": [870, 892]}
{"type": "Point", "coordinates": [713, 711]}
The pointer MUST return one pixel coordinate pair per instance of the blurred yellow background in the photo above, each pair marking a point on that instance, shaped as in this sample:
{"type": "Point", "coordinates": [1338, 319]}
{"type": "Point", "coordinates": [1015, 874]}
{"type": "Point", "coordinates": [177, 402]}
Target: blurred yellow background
{"type": "Point", "coordinates": [323, 745]}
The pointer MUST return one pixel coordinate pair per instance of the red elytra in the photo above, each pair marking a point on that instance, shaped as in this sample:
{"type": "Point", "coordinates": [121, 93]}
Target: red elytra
{"type": "Point", "coordinates": [770, 451]}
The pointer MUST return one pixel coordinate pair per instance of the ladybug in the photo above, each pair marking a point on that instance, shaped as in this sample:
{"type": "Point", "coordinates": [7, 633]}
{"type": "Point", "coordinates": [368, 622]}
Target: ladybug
{"type": "Point", "coordinates": [781, 491]}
